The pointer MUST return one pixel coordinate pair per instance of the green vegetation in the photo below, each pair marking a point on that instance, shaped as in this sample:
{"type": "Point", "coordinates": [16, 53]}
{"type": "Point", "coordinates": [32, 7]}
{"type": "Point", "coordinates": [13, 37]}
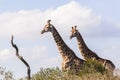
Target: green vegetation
{"type": "Point", "coordinates": [5, 75]}
{"type": "Point", "coordinates": [92, 70]}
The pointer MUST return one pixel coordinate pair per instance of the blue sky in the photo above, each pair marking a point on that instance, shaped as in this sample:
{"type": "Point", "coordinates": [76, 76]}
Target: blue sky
{"type": "Point", "coordinates": [98, 22]}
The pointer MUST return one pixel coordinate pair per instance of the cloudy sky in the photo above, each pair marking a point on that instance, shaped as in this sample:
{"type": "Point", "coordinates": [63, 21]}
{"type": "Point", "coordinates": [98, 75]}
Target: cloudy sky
{"type": "Point", "coordinates": [97, 21]}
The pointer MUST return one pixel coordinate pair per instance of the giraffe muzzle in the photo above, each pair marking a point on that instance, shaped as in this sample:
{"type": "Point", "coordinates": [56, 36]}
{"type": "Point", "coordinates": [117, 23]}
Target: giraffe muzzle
{"type": "Point", "coordinates": [71, 37]}
{"type": "Point", "coordinates": [42, 31]}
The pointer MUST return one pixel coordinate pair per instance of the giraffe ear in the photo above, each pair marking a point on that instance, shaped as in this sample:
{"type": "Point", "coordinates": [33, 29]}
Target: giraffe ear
{"type": "Point", "coordinates": [72, 27]}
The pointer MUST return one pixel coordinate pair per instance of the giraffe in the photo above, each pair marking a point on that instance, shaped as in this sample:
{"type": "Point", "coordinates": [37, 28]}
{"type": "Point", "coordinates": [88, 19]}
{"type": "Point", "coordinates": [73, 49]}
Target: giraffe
{"type": "Point", "coordinates": [70, 60]}
{"type": "Point", "coordinates": [87, 53]}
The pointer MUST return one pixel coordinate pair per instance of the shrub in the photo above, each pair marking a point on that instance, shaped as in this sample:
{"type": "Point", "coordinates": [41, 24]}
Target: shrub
{"type": "Point", "coordinates": [5, 75]}
{"type": "Point", "coordinates": [92, 70]}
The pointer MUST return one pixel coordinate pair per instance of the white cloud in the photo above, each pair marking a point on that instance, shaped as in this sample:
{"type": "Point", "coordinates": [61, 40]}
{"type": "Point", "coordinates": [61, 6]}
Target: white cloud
{"type": "Point", "coordinates": [21, 23]}
{"type": "Point", "coordinates": [5, 54]}
{"type": "Point", "coordinates": [73, 13]}
{"type": "Point", "coordinates": [27, 24]}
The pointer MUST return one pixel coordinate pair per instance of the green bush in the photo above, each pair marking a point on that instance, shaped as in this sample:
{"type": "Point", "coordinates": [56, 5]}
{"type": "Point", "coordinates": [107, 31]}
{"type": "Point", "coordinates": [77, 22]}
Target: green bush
{"type": "Point", "coordinates": [5, 75]}
{"type": "Point", "coordinates": [92, 67]}
{"type": "Point", "coordinates": [92, 70]}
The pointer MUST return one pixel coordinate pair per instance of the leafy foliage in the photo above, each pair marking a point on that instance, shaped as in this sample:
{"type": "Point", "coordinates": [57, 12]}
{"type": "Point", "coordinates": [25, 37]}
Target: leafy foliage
{"type": "Point", "coordinates": [92, 70]}
{"type": "Point", "coordinates": [92, 67]}
{"type": "Point", "coordinates": [5, 75]}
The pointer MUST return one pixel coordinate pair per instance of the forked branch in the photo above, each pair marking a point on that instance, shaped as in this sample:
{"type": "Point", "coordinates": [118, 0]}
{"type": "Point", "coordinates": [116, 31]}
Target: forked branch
{"type": "Point", "coordinates": [21, 58]}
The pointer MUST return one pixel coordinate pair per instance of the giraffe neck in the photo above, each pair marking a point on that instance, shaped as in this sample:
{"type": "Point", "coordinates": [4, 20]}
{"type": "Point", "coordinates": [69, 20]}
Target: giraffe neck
{"type": "Point", "coordinates": [65, 51]}
{"type": "Point", "coordinates": [85, 51]}
{"type": "Point", "coordinates": [88, 54]}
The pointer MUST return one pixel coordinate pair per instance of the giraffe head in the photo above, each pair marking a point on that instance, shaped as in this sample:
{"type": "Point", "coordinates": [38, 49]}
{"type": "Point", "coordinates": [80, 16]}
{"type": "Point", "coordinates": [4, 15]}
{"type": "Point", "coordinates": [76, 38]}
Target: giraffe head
{"type": "Point", "coordinates": [74, 32]}
{"type": "Point", "coordinates": [47, 27]}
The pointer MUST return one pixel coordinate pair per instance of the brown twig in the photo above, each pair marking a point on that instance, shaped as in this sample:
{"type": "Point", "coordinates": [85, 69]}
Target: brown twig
{"type": "Point", "coordinates": [21, 58]}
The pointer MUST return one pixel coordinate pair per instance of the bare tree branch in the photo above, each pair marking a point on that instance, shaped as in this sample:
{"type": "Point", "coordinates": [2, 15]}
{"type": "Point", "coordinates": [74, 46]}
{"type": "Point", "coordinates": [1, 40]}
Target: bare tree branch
{"type": "Point", "coordinates": [21, 58]}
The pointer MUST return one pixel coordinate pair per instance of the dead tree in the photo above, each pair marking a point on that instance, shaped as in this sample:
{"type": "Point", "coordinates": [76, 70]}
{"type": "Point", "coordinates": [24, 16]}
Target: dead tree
{"type": "Point", "coordinates": [21, 58]}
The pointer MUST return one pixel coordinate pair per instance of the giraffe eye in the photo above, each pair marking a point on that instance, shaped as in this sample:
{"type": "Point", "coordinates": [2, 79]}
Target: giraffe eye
{"type": "Point", "coordinates": [46, 28]}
